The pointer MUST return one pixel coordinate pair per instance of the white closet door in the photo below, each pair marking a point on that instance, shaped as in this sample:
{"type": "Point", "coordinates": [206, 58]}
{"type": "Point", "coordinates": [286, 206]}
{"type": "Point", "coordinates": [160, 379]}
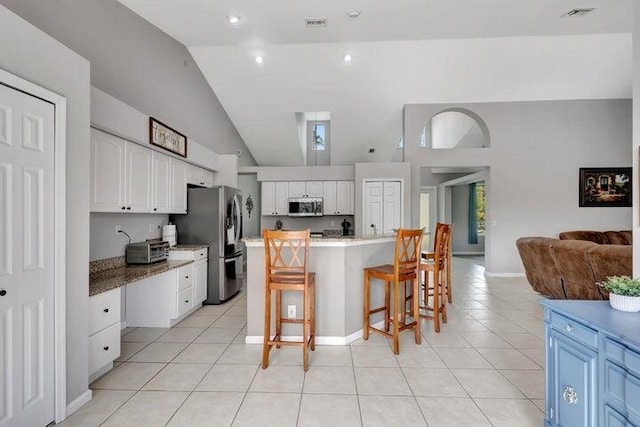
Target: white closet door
{"type": "Point", "coordinates": [372, 208]}
{"type": "Point", "coordinates": [392, 206]}
{"type": "Point", "coordinates": [26, 260]}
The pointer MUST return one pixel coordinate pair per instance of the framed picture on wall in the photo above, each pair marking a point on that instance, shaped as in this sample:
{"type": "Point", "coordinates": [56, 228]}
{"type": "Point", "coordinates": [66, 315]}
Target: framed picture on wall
{"type": "Point", "coordinates": [167, 138]}
{"type": "Point", "coordinates": [605, 187]}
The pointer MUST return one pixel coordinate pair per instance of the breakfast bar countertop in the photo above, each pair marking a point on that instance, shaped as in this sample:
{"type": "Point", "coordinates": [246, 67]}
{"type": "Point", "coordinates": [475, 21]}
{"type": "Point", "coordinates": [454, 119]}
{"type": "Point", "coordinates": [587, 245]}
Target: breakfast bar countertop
{"type": "Point", "coordinates": [188, 247]}
{"type": "Point", "coordinates": [112, 273]}
{"type": "Point", "coordinates": [334, 240]}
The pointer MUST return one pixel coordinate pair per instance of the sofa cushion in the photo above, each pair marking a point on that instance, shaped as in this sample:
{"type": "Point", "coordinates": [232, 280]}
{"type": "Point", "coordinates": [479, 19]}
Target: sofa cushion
{"type": "Point", "coordinates": [588, 235]}
{"type": "Point", "coordinates": [570, 259]}
{"type": "Point", "coordinates": [541, 272]}
{"type": "Point", "coordinates": [610, 260]}
{"type": "Point", "coordinates": [618, 237]}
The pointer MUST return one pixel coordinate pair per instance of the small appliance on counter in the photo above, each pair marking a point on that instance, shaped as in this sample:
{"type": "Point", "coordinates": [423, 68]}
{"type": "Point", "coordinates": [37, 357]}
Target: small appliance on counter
{"type": "Point", "coordinates": [345, 227]}
{"type": "Point", "coordinates": [169, 234]}
{"type": "Point", "coordinates": [147, 252]}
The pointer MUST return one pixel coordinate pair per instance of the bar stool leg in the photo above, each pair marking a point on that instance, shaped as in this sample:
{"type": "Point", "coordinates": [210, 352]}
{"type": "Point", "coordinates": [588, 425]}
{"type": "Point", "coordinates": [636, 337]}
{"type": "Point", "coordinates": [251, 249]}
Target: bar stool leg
{"type": "Point", "coordinates": [449, 295]}
{"type": "Point", "coordinates": [305, 331]}
{"type": "Point", "coordinates": [313, 316]}
{"type": "Point", "coordinates": [387, 313]}
{"type": "Point", "coordinates": [278, 316]}
{"type": "Point", "coordinates": [416, 309]}
{"type": "Point", "coordinates": [396, 320]}
{"type": "Point", "coordinates": [267, 329]}
{"type": "Point", "coordinates": [365, 328]}
{"type": "Point", "coordinates": [436, 301]}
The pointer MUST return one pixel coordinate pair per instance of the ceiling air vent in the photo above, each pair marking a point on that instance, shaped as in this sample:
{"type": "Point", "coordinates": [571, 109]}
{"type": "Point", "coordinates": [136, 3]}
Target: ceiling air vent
{"type": "Point", "coordinates": [575, 13]}
{"type": "Point", "coordinates": [315, 22]}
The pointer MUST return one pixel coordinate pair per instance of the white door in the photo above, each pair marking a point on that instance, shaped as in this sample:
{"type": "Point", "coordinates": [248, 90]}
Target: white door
{"type": "Point", "coordinates": [107, 172]}
{"type": "Point", "coordinates": [160, 182]}
{"type": "Point", "coordinates": [26, 260]}
{"type": "Point", "coordinates": [138, 178]}
{"type": "Point", "coordinates": [392, 206]}
{"type": "Point", "coordinates": [329, 194]}
{"type": "Point", "coordinates": [372, 208]}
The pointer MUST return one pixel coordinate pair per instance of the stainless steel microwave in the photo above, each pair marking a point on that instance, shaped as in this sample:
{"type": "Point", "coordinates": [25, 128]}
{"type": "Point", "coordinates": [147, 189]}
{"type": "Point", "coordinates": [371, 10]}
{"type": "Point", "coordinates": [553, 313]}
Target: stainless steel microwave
{"type": "Point", "coordinates": [305, 206]}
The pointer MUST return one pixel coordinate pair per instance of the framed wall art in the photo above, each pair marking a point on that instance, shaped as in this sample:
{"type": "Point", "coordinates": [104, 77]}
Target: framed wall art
{"type": "Point", "coordinates": [166, 137]}
{"type": "Point", "coordinates": [604, 187]}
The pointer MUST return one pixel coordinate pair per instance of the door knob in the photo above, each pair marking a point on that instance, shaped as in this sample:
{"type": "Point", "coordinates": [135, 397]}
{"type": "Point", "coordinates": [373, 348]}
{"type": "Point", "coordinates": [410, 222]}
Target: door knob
{"type": "Point", "coordinates": [2, 292]}
{"type": "Point", "coordinates": [106, 310]}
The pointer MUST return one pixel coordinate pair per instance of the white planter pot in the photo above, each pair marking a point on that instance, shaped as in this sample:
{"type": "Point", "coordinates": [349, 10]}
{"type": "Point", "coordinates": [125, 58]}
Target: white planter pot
{"type": "Point", "coordinates": [624, 303]}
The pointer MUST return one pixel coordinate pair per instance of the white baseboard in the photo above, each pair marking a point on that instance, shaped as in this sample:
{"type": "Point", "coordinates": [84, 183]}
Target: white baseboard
{"type": "Point", "coordinates": [79, 402]}
{"type": "Point", "coordinates": [123, 325]}
{"type": "Point", "coordinates": [489, 274]}
{"type": "Point", "coordinates": [257, 339]}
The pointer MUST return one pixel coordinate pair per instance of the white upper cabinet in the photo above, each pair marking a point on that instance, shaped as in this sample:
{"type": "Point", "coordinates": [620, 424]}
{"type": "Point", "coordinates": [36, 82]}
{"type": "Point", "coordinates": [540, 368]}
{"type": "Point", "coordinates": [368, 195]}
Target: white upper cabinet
{"type": "Point", "coordinates": [107, 173]}
{"type": "Point", "coordinates": [275, 198]}
{"type": "Point", "coordinates": [338, 197]}
{"type": "Point", "coordinates": [178, 187]}
{"type": "Point", "coordinates": [200, 177]}
{"type": "Point", "coordinates": [120, 175]}
{"type": "Point", "coordinates": [160, 182]}
{"type": "Point", "coordinates": [127, 177]}
{"type": "Point", "coordinates": [305, 188]}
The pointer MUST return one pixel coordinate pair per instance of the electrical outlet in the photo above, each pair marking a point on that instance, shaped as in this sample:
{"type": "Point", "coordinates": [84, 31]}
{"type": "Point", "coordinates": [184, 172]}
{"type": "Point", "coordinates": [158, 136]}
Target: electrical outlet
{"type": "Point", "coordinates": [118, 228]}
{"type": "Point", "coordinates": [291, 311]}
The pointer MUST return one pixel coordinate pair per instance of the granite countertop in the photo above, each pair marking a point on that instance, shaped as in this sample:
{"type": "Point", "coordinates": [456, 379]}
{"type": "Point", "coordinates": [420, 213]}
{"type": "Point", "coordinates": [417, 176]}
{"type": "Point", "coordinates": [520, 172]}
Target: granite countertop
{"type": "Point", "coordinates": [112, 273]}
{"type": "Point", "coordinates": [188, 247]}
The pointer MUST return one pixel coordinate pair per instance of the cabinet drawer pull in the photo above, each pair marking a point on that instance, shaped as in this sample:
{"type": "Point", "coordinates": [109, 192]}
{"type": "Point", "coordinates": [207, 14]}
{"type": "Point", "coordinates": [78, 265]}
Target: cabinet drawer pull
{"type": "Point", "coordinates": [105, 348]}
{"type": "Point", "coordinates": [570, 396]}
{"type": "Point", "coordinates": [123, 208]}
{"type": "Point", "coordinates": [569, 328]}
{"type": "Point", "coordinates": [3, 292]}
{"type": "Point", "coordinates": [128, 208]}
{"type": "Point", "coordinates": [186, 277]}
{"type": "Point", "coordinates": [106, 310]}
{"type": "Point", "coordinates": [186, 302]}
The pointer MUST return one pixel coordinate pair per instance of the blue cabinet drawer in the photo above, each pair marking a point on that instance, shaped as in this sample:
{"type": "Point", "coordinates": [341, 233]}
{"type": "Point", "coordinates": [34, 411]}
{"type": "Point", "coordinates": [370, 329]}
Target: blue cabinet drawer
{"type": "Point", "coordinates": [632, 361]}
{"type": "Point", "coordinates": [632, 397]}
{"type": "Point", "coordinates": [574, 329]}
{"type": "Point", "coordinates": [614, 384]}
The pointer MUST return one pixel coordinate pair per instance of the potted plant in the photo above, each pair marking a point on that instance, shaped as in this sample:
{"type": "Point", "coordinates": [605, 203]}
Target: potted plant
{"type": "Point", "coordinates": [624, 293]}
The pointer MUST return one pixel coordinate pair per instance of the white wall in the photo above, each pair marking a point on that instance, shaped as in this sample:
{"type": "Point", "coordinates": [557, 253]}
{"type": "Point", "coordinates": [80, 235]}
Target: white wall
{"type": "Point", "coordinates": [250, 187]}
{"type": "Point", "coordinates": [536, 151]}
{"type": "Point", "coordinates": [140, 65]}
{"type": "Point", "coordinates": [635, 151]}
{"type": "Point", "coordinates": [106, 243]}
{"type": "Point", "coordinates": [31, 54]}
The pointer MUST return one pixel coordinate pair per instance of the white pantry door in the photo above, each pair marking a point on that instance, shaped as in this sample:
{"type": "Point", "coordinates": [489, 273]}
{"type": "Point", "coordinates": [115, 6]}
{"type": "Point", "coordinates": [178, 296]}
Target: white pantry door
{"type": "Point", "coordinates": [26, 260]}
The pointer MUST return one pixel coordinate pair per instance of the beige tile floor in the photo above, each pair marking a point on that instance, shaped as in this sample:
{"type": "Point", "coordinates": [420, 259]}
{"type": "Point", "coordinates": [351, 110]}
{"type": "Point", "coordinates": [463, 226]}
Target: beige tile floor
{"type": "Point", "coordinates": [485, 368]}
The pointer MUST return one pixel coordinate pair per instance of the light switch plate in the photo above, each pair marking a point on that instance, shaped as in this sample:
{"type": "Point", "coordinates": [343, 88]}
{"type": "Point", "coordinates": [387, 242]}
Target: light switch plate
{"type": "Point", "coordinates": [291, 311]}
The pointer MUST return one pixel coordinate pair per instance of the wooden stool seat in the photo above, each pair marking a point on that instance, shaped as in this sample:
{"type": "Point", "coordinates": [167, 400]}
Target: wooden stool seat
{"type": "Point", "coordinates": [404, 269]}
{"type": "Point", "coordinates": [286, 254]}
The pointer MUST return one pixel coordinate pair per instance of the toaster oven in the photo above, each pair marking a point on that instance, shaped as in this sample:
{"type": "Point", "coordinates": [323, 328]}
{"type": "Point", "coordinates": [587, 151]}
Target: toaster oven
{"type": "Point", "coordinates": [147, 252]}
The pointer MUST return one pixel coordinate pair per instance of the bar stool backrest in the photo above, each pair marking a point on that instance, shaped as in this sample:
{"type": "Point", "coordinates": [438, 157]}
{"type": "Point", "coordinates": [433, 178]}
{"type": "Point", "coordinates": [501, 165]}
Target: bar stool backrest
{"type": "Point", "coordinates": [286, 255]}
{"type": "Point", "coordinates": [407, 253]}
{"type": "Point", "coordinates": [441, 245]}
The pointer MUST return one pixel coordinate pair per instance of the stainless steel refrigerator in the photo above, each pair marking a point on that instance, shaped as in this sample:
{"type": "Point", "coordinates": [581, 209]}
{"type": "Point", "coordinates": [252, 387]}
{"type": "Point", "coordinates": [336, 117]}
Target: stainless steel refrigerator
{"type": "Point", "coordinates": [214, 217]}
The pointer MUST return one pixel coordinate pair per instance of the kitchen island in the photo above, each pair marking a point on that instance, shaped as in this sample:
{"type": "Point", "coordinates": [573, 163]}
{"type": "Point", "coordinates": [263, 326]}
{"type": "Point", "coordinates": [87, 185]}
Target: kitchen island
{"type": "Point", "coordinates": [338, 263]}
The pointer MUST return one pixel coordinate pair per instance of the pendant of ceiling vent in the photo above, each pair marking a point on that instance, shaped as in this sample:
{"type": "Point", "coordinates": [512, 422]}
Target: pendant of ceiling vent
{"type": "Point", "coordinates": [315, 22]}
{"type": "Point", "coordinates": [575, 13]}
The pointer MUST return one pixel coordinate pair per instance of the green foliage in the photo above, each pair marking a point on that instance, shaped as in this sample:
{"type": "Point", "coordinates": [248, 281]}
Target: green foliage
{"type": "Point", "coordinates": [480, 207]}
{"type": "Point", "coordinates": [622, 285]}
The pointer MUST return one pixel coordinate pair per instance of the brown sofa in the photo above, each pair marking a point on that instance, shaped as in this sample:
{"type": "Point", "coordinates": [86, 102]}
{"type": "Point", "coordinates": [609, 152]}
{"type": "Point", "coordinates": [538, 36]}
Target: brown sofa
{"type": "Point", "coordinates": [570, 267]}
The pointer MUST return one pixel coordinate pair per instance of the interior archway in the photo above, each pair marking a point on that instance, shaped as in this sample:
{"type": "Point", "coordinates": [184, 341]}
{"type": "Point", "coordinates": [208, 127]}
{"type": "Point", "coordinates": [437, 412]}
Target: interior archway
{"type": "Point", "coordinates": [455, 128]}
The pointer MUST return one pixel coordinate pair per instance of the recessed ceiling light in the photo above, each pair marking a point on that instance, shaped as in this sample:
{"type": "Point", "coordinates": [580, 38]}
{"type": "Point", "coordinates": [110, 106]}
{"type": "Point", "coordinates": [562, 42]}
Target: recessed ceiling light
{"type": "Point", "coordinates": [347, 57]}
{"type": "Point", "coordinates": [259, 59]}
{"type": "Point", "coordinates": [354, 14]}
{"type": "Point", "coordinates": [234, 19]}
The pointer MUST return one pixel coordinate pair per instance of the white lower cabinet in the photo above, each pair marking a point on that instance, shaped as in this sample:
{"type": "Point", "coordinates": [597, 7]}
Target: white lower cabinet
{"type": "Point", "coordinates": [104, 332]}
{"type": "Point", "coordinates": [200, 270]}
{"type": "Point", "coordinates": [163, 300]}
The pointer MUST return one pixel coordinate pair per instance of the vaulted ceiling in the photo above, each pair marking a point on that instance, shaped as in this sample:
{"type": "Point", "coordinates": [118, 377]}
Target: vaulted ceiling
{"type": "Point", "coordinates": [403, 52]}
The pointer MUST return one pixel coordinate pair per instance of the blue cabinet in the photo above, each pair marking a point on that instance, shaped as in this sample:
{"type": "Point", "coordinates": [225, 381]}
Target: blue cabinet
{"type": "Point", "coordinates": [592, 365]}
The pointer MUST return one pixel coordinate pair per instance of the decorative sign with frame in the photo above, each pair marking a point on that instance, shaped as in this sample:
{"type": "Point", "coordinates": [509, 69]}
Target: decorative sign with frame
{"type": "Point", "coordinates": [166, 137]}
{"type": "Point", "coordinates": [605, 187]}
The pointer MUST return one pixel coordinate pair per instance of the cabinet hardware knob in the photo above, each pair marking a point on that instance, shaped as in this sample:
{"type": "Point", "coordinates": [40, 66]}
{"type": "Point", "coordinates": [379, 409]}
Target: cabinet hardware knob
{"type": "Point", "coordinates": [2, 292]}
{"type": "Point", "coordinates": [569, 328]}
{"type": "Point", "coordinates": [155, 209]}
{"type": "Point", "coordinates": [128, 208]}
{"type": "Point", "coordinates": [569, 395]}
{"type": "Point", "coordinates": [106, 348]}
{"type": "Point", "coordinates": [123, 208]}
{"type": "Point", "coordinates": [187, 302]}
{"type": "Point", "coordinates": [186, 277]}
{"type": "Point", "coordinates": [106, 310]}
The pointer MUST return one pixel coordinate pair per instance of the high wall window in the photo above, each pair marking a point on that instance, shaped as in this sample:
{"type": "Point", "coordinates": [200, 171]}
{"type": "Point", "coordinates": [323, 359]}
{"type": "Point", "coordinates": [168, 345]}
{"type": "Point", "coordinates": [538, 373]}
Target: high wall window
{"type": "Point", "coordinates": [318, 136]}
{"type": "Point", "coordinates": [318, 142]}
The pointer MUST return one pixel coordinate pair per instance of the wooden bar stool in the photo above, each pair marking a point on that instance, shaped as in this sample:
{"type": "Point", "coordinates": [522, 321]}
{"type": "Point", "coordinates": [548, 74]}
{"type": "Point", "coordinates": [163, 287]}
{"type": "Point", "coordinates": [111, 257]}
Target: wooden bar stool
{"type": "Point", "coordinates": [286, 260]}
{"type": "Point", "coordinates": [403, 269]}
{"type": "Point", "coordinates": [429, 256]}
{"type": "Point", "coordinates": [437, 289]}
